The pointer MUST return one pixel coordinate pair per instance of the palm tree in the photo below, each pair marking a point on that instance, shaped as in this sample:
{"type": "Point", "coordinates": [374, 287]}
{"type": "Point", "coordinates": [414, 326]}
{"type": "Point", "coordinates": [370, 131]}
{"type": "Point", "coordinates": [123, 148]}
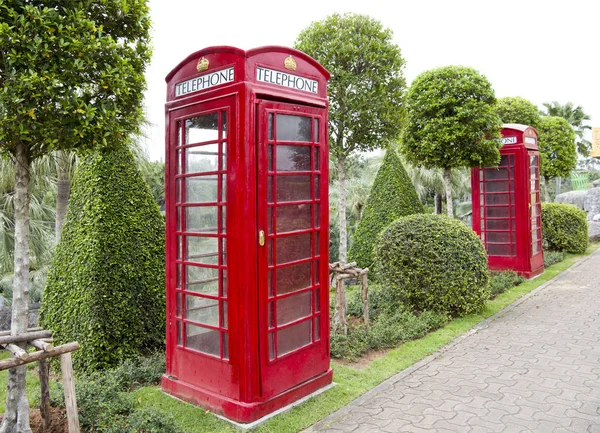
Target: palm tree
{"type": "Point", "coordinates": [576, 118]}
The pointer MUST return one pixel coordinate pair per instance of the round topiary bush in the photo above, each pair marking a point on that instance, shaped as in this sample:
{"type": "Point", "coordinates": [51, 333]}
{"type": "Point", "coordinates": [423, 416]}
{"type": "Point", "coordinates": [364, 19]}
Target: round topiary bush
{"type": "Point", "coordinates": [564, 228]}
{"type": "Point", "coordinates": [432, 262]}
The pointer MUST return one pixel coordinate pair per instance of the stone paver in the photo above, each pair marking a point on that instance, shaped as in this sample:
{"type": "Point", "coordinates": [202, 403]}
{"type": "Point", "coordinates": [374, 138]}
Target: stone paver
{"type": "Point", "coordinates": [535, 367]}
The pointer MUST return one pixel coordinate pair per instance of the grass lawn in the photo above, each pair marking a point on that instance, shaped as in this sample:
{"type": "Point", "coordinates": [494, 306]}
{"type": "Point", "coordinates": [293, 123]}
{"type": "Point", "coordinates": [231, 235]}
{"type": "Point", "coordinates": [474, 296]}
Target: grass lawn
{"type": "Point", "coordinates": [351, 381]}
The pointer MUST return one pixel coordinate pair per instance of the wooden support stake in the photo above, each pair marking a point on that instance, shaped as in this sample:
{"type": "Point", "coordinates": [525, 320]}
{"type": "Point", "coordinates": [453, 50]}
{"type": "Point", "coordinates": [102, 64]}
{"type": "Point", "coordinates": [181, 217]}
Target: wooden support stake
{"type": "Point", "coordinates": [66, 366]}
{"type": "Point", "coordinates": [44, 395]}
{"type": "Point", "coordinates": [16, 351]}
{"type": "Point", "coordinates": [3, 333]}
{"type": "Point", "coordinates": [21, 338]}
{"type": "Point", "coordinates": [340, 295]}
{"type": "Point", "coordinates": [36, 356]}
{"type": "Point", "coordinates": [365, 298]}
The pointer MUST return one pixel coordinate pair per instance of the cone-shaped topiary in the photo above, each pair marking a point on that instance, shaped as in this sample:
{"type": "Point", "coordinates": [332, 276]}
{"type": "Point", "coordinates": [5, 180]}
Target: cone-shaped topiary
{"type": "Point", "coordinates": [564, 228]}
{"type": "Point", "coordinates": [106, 286]}
{"type": "Point", "coordinates": [392, 195]}
{"type": "Point", "coordinates": [433, 263]}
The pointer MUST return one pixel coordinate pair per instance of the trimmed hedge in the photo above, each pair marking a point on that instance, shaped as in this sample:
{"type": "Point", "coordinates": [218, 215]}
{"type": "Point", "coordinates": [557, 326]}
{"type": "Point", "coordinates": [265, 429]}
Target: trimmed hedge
{"type": "Point", "coordinates": [432, 262]}
{"type": "Point", "coordinates": [392, 196]}
{"type": "Point", "coordinates": [564, 228]}
{"type": "Point", "coordinates": [106, 285]}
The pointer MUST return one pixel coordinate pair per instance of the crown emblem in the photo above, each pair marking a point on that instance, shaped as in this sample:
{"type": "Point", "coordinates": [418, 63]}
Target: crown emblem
{"type": "Point", "coordinates": [290, 63]}
{"type": "Point", "coordinates": [202, 65]}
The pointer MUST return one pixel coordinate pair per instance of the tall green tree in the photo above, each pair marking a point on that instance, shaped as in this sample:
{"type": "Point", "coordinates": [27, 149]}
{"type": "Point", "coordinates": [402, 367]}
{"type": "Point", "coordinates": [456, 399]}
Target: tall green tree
{"type": "Point", "coordinates": [577, 119]}
{"type": "Point", "coordinates": [558, 152]}
{"type": "Point", "coordinates": [72, 77]}
{"type": "Point", "coordinates": [365, 91]}
{"type": "Point", "coordinates": [514, 109]}
{"type": "Point", "coordinates": [451, 122]}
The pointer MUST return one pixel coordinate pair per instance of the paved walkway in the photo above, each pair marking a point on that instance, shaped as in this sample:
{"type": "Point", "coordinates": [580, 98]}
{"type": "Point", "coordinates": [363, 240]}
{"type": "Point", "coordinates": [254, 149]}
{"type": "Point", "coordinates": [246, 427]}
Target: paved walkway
{"type": "Point", "coordinates": [533, 368]}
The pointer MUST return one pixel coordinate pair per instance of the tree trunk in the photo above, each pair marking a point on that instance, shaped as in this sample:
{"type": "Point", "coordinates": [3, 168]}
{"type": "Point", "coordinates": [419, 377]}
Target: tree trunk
{"type": "Point", "coordinates": [16, 416]}
{"type": "Point", "coordinates": [547, 190]}
{"type": "Point", "coordinates": [558, 185]}
{"type": "Point", "coordinates": [63, 188]}
{"type": "Point", "coordinates": [437, 201]}
{"type": "Point", "coordinates": [342, 210]}
{"type": "Point", "coordinates": [448, 186]}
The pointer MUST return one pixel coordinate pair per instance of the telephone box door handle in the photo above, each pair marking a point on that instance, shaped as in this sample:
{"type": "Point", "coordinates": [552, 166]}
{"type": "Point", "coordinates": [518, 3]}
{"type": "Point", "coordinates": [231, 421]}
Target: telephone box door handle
{"type": "Point", "coordinates": [261, 238]}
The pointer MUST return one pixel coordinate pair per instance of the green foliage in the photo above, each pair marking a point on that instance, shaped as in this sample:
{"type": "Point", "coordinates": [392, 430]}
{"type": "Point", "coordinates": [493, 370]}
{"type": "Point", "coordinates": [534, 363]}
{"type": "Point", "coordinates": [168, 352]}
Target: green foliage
{"type": "Point", "coordinates": [431, 262]}
{"type": "Point", "coordinates": [106, 285]}
{"type": "Point", "coordinates": [556, 141]}
{"type": "Point", "coordinates": [366, 86]}
{"type": "Point", "coordinates": [392, 196]}
{"type": "Point", "coordinates": [389, 330]}
{"type": "Point", "coordinates": [71, 73]}
{"type": "Point", "coordinates": [154, 175]}
{"type": "Point", "coordinates": [552, 257]}
{"type": "Point", "coordinates": [451, 120]}
{"type": "Point", "coordinates": [564, 228]}
{"type": "Point", "coordinates": [576, 118]}
{"type": "Point", "coordinates": [500, 282]}
{"type": "Point", "coordinates": [514, 109]}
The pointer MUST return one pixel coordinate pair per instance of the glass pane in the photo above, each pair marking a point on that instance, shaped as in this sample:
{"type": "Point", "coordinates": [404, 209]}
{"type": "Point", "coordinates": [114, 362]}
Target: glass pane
{"type": "Point", "coordinates": [270, 157]}
{"type": "Point", "coordinates": [178, 192]}
{"type": "Point", "coordinates": [270, 126]}
{"type": "Point", "coordinates": [224, 124]}
{"type": "Point", "coordinates": [225, 346]}
{"type": "Point", "coordinates": [271, 320]}
{"type": "Point", "coordinates": [316, 130]}
{"type": "Point", "coordinates": [494, 174]}
{"type": "Point", "coordinates": [179, 133]}
{"type": "Point", "coordinates": [498, 236]}
{"type": "Point", "coordinates": [294, 277]}
{"type": "Point", "coordinates": [503, 161]}
{"type": "Point", "coordinates": [223, 219]}
{"type": "Point", "coordinates": [202, 219]}
{"type": "Point", "coordinates": [225, 316]}
{"type": "Point", "coordinates": [317, 271]}
{"type": "Point", "coordinates": [202, 128]}
{"type": "Point", "coordinates": [317, 216]}
{"type": "Point", "coordinates": [270, 283]}
{"type": "Point", "coordinates": [270, 251]}
{"type": "Point", "coordinates": [292, 248]}
{"type": "Point", "coordinates": [318, 300]}
{"type": "Point", "coordinates": [317, 244]}
{"type": "Point", "coordinates": [202, 280]}
{"type": "Point", "coordinates": [293, 128]}
{"type": "Point", "coordinates": [178, 314]}
{"type": "Point", "coordinates": [496, 187]}
{"type": "Point", "coordinates": [317, 158]}
{"type": "Point", "coordinates": [294, 337]}
{"type": "Point", "coordinates": [202, 250]}
{"type": "Point", "coordinates": [201, 189]}
{"type": "Point", "coordinates": [498, 224]}
{"type": "Point", "coordinates": [201, 310]}
{"type": "Point", "coordinates": [202, 339]}
{"type": "Point", "coordinates": [178, 216]}
{"type": "Point", "coordinates": [223, 187]}
{"type": "Point", "coordinates": [317, 328]}
{"type": "Point", "coordinates": [294, 307]}
{"type": "Point", "coordinates": [497, 212]}
{"type": "Point", "coordinates": [293, 158]}
{"type": "Point", "coordinates": [223, 251]}
{"type": "Point", "coordinates": [179, 244]}
{"type": "Point", "coordinates": [499, 250]}
{"type": "Point", "coordinates": [179, 162]}
{"type": "Point", "coordinates": [224, 282]}
{"type": "Point", "coordinates": [270, 189]}
{"type": "Point", "coordinates": [295, 217]}
{"type": "Point", "coordinates": [270, 220]}
{"type": "Point", "coordinates": [179, 336]}
{"type": "Point", "coordinates": [317, 186]}
{"type": "Point", "coordinates": [202, 158]}
{"type": "Point", "coordinates": [271, 345]}
{"type": "Point", "coordinates": [293, 188]}
{"type": "Point", "coordinates": [178, 276]}
{"type": "Point", "coordinates": [498, 199]}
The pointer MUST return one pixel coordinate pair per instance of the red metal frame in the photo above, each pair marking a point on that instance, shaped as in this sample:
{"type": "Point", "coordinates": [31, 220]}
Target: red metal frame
{"type": "Point", "coordinates": [232, 361]}
{"type": "Point", "coordinates": [506, 204]}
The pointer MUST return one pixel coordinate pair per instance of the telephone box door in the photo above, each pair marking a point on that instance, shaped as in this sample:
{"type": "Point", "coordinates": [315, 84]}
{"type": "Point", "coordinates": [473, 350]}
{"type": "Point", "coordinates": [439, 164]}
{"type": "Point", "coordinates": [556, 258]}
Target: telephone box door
{"type": "Point", "coordinates": [293, 244]}
{"type": "Point", "coordinates": [535, 211]}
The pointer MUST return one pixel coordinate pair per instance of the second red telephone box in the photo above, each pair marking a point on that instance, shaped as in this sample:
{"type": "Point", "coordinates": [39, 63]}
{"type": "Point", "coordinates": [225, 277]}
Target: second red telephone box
{"type": "Point", "coordinates": [506, 204]}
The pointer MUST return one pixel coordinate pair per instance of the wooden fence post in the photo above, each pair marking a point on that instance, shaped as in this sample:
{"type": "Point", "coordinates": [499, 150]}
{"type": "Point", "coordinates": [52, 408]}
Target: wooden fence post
{"type": "Point", "coordinates": [44, 395]}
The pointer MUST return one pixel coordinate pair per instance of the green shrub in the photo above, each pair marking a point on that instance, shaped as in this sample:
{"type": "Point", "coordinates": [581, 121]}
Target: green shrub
{"type": "Point", "coordinates": [392, 195]}
{"type": "Point", "coordinates": [564, 228]}
{"type": "Point", "coordinates": [500, 282]}
{"type": "Point", "coordinates": [552, 257]}
{"type": "Point", "coordinates": [149, 420]}
{"type": "Point", "coordinates": [432, 262]}
{"type": "Point", "coordinates": [378, 301]}
{"type": "Point", "coordinates": [106, 285]}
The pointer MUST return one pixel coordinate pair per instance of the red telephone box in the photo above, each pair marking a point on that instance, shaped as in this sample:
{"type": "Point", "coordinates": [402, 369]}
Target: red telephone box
{"type": "Point", "coordinates": [506, 204]}
{"type": "Point", "coordinates": [247, 230]}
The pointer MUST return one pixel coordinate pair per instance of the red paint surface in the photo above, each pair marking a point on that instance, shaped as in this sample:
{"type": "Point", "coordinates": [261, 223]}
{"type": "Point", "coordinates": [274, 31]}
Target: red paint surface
{"type": "Point", "coordinates": [506, 205]}
{"type": "Point", "coordinates": [224, 206]}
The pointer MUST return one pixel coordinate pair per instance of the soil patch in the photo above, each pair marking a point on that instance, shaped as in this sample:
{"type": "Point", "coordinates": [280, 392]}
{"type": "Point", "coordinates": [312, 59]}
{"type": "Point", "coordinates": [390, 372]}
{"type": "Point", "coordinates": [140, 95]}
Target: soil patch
{"type": "Point", "coordinates": [58, 421]}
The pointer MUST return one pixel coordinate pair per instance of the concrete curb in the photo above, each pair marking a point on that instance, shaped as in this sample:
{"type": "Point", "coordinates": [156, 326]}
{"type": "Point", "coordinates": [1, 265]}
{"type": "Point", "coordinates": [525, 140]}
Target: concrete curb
{"type": "Point", "coordinates": [389, 383]}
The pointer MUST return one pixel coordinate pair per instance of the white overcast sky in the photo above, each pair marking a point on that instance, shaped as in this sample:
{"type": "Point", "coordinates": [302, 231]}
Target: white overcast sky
{"type": "Point", "coordinates": [540, 50]}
